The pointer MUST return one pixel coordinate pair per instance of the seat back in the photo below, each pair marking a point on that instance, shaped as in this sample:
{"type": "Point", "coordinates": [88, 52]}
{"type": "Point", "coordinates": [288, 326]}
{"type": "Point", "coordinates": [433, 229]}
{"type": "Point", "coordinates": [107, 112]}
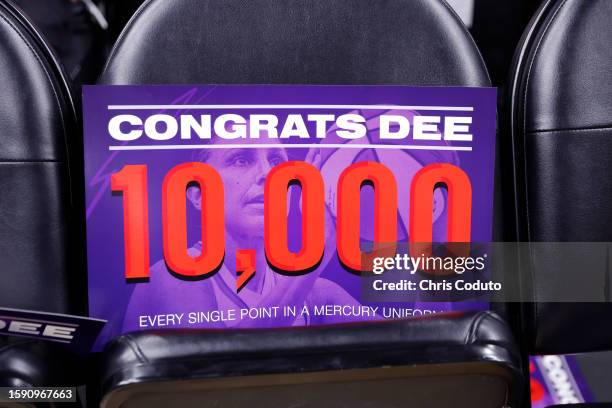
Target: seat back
{"type": "Point", "coordinates": [561, 125]}
{"type": "Point", "coordinates": [408, 42]}
{"type": "Point", "coordinates": [404, 42]}
{"type": "Point", "coordinates": [37, 123]}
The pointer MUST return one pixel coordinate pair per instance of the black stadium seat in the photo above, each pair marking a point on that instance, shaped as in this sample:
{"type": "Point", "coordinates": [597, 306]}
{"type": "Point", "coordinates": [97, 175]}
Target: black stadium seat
{"type": "Point", "coordinates": [561, 127]}
{"type": "Point", "coordinates": [37, 123]}
{"type": "Point", "coordinates": [407, 42]}
{"type": "Point", "coordinates": [426, 362]}
{"type": "Point", "coordinates": [32, 363]}
{"type": "Point", "coordinates": [416, 42]}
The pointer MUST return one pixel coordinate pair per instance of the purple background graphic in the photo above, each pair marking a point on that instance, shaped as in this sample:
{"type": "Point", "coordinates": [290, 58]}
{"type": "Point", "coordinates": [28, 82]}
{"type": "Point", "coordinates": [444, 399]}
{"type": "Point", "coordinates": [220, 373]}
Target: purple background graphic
{"type": "Point", "coordinates": [120, 302]}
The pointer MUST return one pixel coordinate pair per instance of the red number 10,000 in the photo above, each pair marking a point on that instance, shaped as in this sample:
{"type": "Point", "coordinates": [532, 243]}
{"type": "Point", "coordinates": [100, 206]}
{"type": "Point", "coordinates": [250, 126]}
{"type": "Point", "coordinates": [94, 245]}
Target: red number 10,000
{"type": "Point", "coordinates": [132, 182]}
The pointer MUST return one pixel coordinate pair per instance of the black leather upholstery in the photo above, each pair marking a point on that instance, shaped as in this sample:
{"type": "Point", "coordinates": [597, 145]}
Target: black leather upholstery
{"type": "Point", "coordinates": [31, 363]}
{"type": "Point", "coordinates": [441, 352]}
{"type": "Point", "coordinates": [561, 101]}
{"type": "Point", "coordinates": [416, 42]}
{"type": "Point", "coordinates": [37, 121]}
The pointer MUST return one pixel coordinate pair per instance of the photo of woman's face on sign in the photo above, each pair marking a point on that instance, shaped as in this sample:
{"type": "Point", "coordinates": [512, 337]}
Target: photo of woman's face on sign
{"type": "Point", "coordinates": [243, 171]}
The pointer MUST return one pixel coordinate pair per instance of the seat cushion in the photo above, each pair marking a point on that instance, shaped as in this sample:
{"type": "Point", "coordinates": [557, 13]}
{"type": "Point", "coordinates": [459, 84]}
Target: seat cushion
{"type": "Point", "coordinates": [38, 124]}
{"type": "Point", "coordinates": [446, 359]}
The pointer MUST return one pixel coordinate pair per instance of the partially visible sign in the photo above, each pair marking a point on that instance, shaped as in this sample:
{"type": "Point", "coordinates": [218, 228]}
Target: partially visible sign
{"type": "Point", "coordinates": [252, 206]}
{"type": "Point", "coordinates": [78, 333]}
{"type": "Point", "coordinates": [556, 380]}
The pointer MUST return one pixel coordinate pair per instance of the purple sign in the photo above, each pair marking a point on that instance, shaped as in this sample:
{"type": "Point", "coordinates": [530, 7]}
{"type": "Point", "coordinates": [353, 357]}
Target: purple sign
{"type": "Point", "coordinates": [74, 332]}
{"type": "Point", "coordinates": [220, 206]}
{"type": "Point", "coordinates": [556, 380]}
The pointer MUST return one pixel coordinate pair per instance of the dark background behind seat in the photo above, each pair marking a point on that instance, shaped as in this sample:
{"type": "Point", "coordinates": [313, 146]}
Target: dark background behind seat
{"type": "Point", "coordinates": [562, 134]}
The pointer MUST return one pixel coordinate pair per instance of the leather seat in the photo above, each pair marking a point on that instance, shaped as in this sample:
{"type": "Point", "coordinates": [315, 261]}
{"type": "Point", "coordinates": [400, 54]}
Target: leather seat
{"type": "Point", "coordinates": [561, 127]}
{"type": "Point", "coordinates": [37, 269]}
{"type": "Point", "coordinates": [424, 362]}
{"type": "Point", "coordinates": [406, 42]}
{"type": "Point", "coordinates": [38, 124]}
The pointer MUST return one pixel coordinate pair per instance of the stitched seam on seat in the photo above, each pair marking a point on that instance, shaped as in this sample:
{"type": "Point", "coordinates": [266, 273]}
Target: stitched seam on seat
{"type": "Point", "coordinates": [531, 63]}
{"type": "Point", "coordinates": [264, 355]}
{"type": "Point", "coordinates": [533, 58]}
{"type": "Point", "coordinates": [44, 68]}
{"type": "Point", "coordinates": [496, 317]}
{"type": "Point", "coordinates": [475, 326]}
{"type": "Point", "coordinates": [582, 129]}
{"type": "Point", "coordinates": [133, 345]}
{"type": "Point", "coordinates": [123, 34]}
{"type": "Point", "coordinates": [119, 378]}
